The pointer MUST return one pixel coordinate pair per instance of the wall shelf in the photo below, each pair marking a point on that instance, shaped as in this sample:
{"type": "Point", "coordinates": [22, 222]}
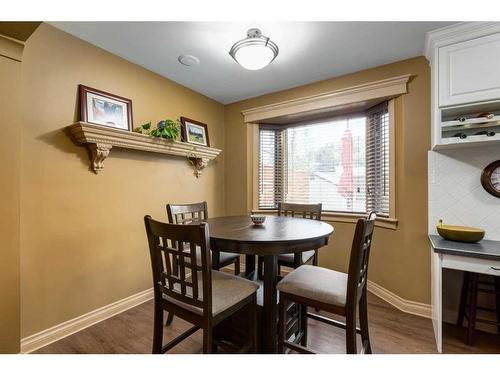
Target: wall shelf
{"type": "Point", "coordinates": [100, 140]}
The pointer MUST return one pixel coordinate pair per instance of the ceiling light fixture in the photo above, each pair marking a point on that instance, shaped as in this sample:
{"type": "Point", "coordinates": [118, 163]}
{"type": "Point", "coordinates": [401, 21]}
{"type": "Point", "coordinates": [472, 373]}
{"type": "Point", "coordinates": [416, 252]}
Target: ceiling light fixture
{"type": "Point", "coordinates": [255, 51]}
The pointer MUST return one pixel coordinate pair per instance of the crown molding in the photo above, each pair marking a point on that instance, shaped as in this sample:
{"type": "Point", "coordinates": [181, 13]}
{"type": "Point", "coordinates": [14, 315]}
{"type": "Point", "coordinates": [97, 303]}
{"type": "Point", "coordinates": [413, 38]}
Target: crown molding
{"type": "Point", "coordinates": [383, 89]}
{"type": "Point", "coordinates": [457, 33]}
{"type": "Point", "coordinates": [11, 48]}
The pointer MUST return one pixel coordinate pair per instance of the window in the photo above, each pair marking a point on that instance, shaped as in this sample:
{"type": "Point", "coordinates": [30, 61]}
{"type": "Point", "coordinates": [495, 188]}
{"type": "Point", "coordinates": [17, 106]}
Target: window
{"type": "Point", "coordinates": [342, 162]}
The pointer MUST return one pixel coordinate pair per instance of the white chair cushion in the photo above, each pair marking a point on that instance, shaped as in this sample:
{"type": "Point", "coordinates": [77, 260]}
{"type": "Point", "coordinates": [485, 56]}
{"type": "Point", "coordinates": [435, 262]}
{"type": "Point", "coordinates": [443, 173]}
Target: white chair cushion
{"type": "Point", "coordinates": [316, 283]}
{"type": "Point", "coordinates": [227, 291]}
{"type": "Point", "coordinates": [290, 258]}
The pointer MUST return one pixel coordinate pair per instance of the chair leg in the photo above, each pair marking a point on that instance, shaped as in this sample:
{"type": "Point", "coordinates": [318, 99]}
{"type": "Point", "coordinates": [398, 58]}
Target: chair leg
{"type": "Point", "coordinates": [282, 324]}
{"type": "Point", "coordinates": [207, 339]}
{"type": "Point", "coordinates": [315, 263]}
{"type": "Point", "coordinates": [497, 291]}
{"type": "Point", "coordinates": [170, 318]}
{"type": "Point", "coordinates": [260, 267]}
{"type": "Point", "coordinates": [303, 324]}
{"type": "Point", "coordinates": [463, 299]}
{"type": "Point", "coordinates": [237, 266]}
{"type": "Point", "coordinates": [363, 323]}
{"type": "Point", "coordinates": [157, 328]}
{"type": "Point", "coordinates": [253, 324]}
{"type": "Point", "coordinates": [350, 332]}
{"type": "Point", "coordinates": [472, 309]}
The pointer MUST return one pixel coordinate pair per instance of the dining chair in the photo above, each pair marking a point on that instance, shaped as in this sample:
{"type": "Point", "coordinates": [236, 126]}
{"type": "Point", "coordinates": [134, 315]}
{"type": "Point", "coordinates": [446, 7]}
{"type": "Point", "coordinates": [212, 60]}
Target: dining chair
{"type": "Point", "coordinates": [187, 213]}
{"type": "Point", "coordinates": [295, 260]}
{"type": "Point", "coordinates": [331, 291]}
{"type": "Point", "coordinates": [196, 293]}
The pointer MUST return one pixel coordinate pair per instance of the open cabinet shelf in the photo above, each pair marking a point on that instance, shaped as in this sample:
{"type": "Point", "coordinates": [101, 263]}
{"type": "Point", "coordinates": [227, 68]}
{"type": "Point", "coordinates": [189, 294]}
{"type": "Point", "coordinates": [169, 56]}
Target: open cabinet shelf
{"type": "Point", "coordinates": [101, 139]}
{"type": "Point", "coordinates": [461, 126]}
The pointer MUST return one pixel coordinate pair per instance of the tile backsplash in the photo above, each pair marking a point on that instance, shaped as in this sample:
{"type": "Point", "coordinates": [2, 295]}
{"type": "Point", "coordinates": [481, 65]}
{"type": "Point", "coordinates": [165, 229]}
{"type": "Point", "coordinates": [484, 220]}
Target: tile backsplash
{"type": "Point", "coordinates": [455, 191]}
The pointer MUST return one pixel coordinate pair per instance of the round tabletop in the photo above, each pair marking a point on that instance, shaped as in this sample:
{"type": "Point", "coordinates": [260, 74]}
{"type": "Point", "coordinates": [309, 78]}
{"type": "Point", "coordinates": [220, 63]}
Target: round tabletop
{"type": "Point", "coordinates": [277, 235]}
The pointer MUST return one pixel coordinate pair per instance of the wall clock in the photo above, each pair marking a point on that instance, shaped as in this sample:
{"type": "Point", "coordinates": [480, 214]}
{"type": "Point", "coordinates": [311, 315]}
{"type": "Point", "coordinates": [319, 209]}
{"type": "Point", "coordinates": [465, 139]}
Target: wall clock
{"type": "Point", "coordinates": [490, 178]}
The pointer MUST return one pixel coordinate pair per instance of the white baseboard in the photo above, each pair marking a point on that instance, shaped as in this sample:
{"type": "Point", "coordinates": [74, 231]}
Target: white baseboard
{"type": "Point", "coordinates": [60, 331]}
{"type": "Point", "coordinates": [410, 307]}
{"type": "Point", "coordinates": [50, 335]}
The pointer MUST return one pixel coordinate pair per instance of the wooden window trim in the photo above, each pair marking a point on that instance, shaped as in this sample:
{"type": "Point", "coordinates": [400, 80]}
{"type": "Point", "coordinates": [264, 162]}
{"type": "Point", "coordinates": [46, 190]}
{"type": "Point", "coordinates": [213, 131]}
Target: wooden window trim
{"type": "Point", "coordinates": [388, 89]}
{"type": "Point", "coordinates": [384, 90]}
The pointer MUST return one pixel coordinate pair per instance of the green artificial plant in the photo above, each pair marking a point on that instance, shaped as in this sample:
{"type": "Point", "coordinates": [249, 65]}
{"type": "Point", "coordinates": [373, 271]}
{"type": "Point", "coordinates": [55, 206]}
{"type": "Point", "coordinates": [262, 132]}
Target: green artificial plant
{"type": "Point", "coordinates": [167, 129]}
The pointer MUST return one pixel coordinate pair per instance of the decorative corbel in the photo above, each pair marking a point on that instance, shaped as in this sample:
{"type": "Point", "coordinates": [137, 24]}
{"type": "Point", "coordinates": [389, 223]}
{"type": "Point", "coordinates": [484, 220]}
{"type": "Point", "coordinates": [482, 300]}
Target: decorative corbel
{"type": "Point", "coordinates": [100, 152]}
{"type": "Point", "coordinates": [199, 164]}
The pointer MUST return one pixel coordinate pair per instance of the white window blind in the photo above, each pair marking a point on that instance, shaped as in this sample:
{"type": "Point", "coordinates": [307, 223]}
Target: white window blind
{"type": "Point", "coordinates": [334, 162]}
{"type": "Point", "coordinates": [377, 159]}
{"type": "Point", "coordinates": [270, 168]}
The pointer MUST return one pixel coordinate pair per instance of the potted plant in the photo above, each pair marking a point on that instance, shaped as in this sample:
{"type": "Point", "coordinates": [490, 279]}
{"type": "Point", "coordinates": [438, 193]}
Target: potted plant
{"type": "Point", "coordinates": [167, 129]}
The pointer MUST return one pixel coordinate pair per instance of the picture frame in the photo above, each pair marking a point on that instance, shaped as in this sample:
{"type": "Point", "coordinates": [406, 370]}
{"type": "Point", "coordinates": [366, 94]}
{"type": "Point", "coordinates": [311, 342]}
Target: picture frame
{"type": "Point", "coordinates": [194, 132]}
{"type": "Point", "coordinates": [105, 109]}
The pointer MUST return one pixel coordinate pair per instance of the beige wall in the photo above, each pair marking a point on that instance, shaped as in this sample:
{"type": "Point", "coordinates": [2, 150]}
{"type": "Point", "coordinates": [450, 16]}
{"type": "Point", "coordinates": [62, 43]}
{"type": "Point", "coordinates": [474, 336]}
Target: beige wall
{"type": "Point", "coordinates": [81, 236]}
{"type": "Point", "coordinates": [9, 206]}
{"type": "Point", "coordinates": [83, 243]}
{"type": "Point", "coordinates": [400, 259]}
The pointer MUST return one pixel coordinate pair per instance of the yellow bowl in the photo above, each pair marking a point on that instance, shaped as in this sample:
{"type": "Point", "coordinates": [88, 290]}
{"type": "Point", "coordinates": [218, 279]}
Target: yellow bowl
{"type": "Point", "coordinates": [459, 234]}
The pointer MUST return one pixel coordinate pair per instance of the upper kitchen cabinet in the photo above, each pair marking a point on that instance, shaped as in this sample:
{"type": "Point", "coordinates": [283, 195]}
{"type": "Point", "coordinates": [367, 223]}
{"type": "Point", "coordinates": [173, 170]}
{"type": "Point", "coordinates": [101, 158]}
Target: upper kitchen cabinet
{"type": "Point", "coordinates": [465, 84]}
{"type": "Point", "coordinates": [469, 71]}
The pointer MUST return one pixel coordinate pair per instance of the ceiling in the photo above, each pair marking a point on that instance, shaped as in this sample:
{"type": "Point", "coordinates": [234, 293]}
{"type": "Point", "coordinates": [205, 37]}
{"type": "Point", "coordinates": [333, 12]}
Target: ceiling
{"type": "Point", "coordinates": [309, 51]}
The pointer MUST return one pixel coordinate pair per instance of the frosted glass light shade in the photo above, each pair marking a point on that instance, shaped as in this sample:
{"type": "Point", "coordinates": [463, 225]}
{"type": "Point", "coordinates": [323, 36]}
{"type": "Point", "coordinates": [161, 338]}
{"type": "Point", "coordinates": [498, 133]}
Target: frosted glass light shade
{"type": "Point", "coordinates": [254, 52]}
{"type": "Point", "coordinates": [254, 57]}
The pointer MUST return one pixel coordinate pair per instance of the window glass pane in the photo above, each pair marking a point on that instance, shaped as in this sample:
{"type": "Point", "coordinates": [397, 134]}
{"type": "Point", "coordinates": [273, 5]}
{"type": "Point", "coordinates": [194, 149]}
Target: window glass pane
{"type": "Point", "coordinates": [342, 163]}
{"type": "Point", "coordinates": [325, 163]}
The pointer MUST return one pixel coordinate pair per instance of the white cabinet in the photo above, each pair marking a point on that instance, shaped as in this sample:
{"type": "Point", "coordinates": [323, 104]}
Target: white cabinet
{"type": "Point", "coordinates": [469, 71]}
{"type": "Point", "coordinates": [465, 84]}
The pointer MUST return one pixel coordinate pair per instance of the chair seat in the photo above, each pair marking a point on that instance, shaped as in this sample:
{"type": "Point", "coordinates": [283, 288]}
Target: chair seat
{"type": "Point", "coordinates": [227, 257]}
{"type": "Point", "coordinates": [227, 291]}
{"type": "Point", "coordinates": [316, 283]}
{"type": "Point", "coordinates": [290, 258]}
{"type": "Point", "coordinates": [224, 258]}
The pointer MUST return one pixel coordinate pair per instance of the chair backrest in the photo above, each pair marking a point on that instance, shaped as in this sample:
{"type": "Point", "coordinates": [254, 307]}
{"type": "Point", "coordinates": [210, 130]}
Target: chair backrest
{"type": "Point", "coordinates": [187, 213]}
{"type": "Point", "coordinates": [308, 211]}
{"type": "Point", "coordinates": [169, 242]}
{"type": "Point", "coordinates": [358, 263]}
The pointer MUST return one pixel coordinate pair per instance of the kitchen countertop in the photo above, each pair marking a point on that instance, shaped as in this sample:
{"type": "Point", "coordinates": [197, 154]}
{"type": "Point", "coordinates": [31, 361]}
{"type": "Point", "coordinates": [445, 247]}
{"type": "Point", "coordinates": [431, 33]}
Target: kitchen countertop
{"type": "Point", "coordinates": [486, 249]}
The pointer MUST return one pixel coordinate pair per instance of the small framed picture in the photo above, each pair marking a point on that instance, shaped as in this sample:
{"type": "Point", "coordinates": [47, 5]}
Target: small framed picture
{"type": "Point", "coordinates": [194, 132]}
{"type": "Point", "coordinates": [102, 108]}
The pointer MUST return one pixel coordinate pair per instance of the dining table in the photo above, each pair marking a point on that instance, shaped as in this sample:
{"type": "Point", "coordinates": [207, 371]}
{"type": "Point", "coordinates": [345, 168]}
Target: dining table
{"type": "Point", "coordinates": [277, 235]}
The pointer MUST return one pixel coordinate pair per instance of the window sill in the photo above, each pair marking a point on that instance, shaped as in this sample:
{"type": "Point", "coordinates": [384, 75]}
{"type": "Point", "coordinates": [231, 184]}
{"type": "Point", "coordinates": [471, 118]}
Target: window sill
{"type": "Point", "coordinates": [381, 222]}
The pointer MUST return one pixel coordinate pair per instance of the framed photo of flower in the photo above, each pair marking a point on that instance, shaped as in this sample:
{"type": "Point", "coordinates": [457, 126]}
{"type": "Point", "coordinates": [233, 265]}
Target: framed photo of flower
{"type": "Point", "coordinates": [102, 108]}
{"type": "Point", "coordinates": [194, 132]}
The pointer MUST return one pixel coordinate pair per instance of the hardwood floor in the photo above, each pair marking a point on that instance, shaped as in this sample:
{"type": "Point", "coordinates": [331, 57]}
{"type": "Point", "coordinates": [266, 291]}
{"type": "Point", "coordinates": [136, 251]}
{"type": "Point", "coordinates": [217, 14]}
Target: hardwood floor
{"type": "Point", "coordinates": [391, 330]}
